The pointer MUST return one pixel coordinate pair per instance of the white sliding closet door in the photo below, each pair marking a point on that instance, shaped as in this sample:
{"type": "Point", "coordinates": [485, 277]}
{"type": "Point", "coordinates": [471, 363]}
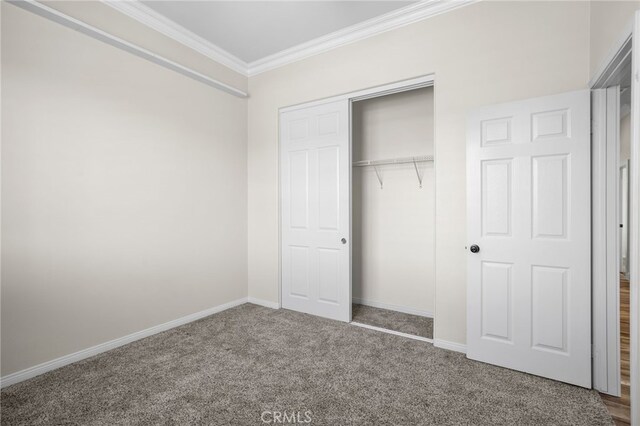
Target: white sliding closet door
{"type": "Point", "coordinates": [529, 264]}
{"type": "Point", "coordinates": [315, 188]}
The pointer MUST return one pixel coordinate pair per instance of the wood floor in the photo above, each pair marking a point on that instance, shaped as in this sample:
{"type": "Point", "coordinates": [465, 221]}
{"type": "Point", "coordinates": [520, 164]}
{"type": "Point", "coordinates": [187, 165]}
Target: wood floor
{"type": "Point", "coordinates": [620, 408]}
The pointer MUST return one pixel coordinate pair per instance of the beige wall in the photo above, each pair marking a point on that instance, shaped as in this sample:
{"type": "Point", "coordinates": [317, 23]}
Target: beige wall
{"type": "Point", "coordinates": [124, 193]}
{"type": "Point", "coordinates": [608, 20]}
{"type": "Point", "coordinates": [393, 228]}
{"type": "Point", "coordinates": [481, 54]}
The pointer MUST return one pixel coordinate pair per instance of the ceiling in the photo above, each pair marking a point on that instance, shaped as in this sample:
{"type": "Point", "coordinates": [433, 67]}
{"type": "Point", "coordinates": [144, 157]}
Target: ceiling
{"type": "Point", "coordinates": [252, 30]}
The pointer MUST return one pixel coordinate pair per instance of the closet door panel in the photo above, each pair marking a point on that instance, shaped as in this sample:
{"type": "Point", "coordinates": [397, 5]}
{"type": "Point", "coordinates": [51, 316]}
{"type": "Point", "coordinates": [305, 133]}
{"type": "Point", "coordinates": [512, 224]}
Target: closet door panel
{"type": "Point", "coordinates": [315, 190]}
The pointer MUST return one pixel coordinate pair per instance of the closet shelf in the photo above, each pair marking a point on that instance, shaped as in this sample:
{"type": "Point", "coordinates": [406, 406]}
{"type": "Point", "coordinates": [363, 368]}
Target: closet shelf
{"type": "Point", "coordinates": [403, 160]}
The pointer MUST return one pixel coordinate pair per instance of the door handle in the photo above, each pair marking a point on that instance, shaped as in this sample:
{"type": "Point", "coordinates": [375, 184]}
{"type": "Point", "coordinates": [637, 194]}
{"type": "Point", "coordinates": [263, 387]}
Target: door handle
{"type": "Point", "coordinates": [343, 241]}
{"type": "Point", "coordinates": [474, 248]}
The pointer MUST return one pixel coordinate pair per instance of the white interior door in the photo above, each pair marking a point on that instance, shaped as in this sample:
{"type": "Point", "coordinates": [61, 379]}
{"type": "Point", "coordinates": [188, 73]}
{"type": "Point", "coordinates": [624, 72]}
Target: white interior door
{"type": "Point", "coordinates": [528, 201]}
{"type": "Point", "coordinates": [315, 210]}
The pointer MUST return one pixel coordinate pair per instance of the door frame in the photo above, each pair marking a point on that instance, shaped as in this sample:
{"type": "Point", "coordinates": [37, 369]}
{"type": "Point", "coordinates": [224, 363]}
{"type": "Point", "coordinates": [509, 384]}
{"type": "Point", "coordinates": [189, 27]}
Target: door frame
{"type": "Point", "coordinates": [624, 219]}
{"type": "Point", "coordinates": [605, 106]}
{"type": "Point", "coordinates": [427, 80]}
{"type": "Point", "coordinates": [610, 68]}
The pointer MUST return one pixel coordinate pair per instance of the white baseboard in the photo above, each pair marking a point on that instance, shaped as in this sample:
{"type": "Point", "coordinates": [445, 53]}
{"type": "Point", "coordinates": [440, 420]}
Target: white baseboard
{"type": "Point", "coordinates": [265, 303]}
{"type": "Point", "coordinates": [34, 371]}
{"type": "Point", "coordinates": [451, 346]}
{"type": "Point", "coordinates": [397, 333]}
{"type": "Point", "coordinates": [389, 306]}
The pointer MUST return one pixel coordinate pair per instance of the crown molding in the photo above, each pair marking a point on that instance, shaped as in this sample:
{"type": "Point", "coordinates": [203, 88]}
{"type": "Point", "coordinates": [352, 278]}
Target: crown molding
{"type": "Point", "coordinates": [152, 19]}
{"type": "Point", "coordinates": [424, 9]}
{"type": "Point", "coordinates": [380, 24]}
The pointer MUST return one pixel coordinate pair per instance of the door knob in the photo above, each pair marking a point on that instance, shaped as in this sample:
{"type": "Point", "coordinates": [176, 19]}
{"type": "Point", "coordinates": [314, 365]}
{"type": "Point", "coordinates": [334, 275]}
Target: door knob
{"type": "Point", "coordinates": [343, 241]}
{"type": "Point", "coordinates": [474, 248]}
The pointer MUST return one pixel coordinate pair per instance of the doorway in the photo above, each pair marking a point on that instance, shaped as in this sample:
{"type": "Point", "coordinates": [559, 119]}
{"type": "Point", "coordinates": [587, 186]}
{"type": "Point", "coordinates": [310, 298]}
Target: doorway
{"type": "Point", "coordinates": [612, 142]}
{"type": "Point", "coordinates": [393, 212]}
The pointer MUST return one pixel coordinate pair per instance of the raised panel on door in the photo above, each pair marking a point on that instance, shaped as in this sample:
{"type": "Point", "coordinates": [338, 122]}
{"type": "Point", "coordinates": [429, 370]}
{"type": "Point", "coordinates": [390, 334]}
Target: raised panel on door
{"type": "Point", "coordinates": [328, 188]}
{"type": "Point", "coordinates": [550, 191]}
{"type": "Point", "coordinates": [298, 129]}
{"type": "Point", "coordinates": [329, 124]}
{"type": "Point", "coordinates": [328, 275]}
{"type": "Point", "coordinates": [496, 301]}
{"type": "Point", "coordinates": [496, 197]}
{"type": "Point", "coordinates": [299, 271]}
{"type": "Point", "coordinates": [496, 131]}
{"type": "Point", "coordinates": [550, 290]}
{"type": "Point", "coordinates": [299, 192]}
{"type": "Point", "coordinates": [550, 124]}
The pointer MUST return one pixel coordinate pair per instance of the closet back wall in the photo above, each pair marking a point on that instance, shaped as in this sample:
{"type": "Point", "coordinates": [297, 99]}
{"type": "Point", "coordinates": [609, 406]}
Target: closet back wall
{"type": "Point", "coordinates": [124, 193]}
{"type": "Point", "coordinates": [393, 228]}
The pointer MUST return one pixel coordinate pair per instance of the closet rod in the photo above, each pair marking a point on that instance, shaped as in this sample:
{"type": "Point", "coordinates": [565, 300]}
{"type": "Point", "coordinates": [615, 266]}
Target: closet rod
{"type": "Point", "coordinates": [70, 22]}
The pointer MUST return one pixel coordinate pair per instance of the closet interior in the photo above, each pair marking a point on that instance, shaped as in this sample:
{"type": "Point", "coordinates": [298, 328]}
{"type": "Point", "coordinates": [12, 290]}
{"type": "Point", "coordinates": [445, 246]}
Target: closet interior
{"type": "Point", "coordinates": [393, 212]}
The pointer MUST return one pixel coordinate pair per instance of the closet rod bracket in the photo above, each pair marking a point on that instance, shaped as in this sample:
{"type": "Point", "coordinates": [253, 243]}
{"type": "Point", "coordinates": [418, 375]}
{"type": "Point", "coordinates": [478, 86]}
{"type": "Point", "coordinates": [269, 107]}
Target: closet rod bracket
{"type": "Point", "coordinates": [406, 160]}
{"type": "Point", "coordinates": [415, 165]}
{"type": "Point", "coordinates": [378, 175]}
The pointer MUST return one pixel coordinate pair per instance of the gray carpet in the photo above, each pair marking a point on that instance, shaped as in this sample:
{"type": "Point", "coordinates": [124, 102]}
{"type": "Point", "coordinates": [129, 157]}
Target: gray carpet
{"type": "Point", "coordinates": [228, 368]}
{"type": "Point", "coordinates": [392, 320]}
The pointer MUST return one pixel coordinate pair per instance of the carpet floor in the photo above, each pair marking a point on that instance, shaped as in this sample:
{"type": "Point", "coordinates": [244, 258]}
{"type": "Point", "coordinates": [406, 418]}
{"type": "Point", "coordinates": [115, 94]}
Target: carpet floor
{"type": "Point", "coordinates": [233, 367]}
{"type": "Point", "coordinates": [392, 320]}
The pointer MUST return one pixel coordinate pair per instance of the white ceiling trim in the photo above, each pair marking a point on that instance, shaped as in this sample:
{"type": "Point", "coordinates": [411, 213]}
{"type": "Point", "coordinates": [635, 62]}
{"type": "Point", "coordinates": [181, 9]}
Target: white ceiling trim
{"type": "Point", "coordinates": [152, 19]}
{"type": "Point", "coordinates": [371, 27]}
